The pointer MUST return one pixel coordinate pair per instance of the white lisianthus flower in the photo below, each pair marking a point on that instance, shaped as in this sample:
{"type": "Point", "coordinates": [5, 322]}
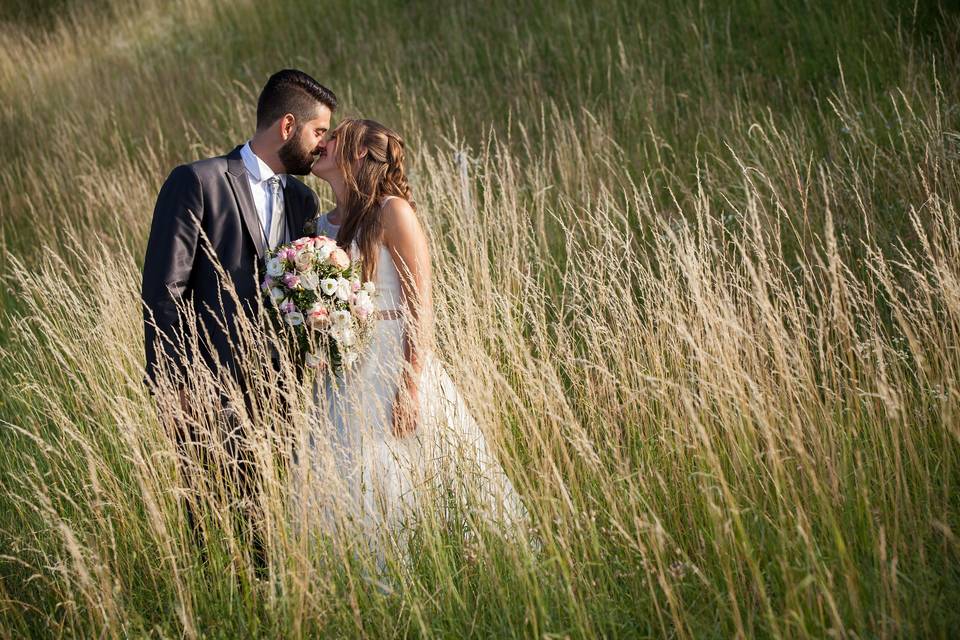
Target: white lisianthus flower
{"type": "Point", "coordinates": [325, 250]}
{"type": "Point", "coordinates": [277, 294]}
{"type": "Point", "coordinates": [370, 288]}
{"type": "Point", "coordinates": [294, 318]}
{"type": "Point", "coordinates": [344, 290]}
{"type": "Point", "coordinates": [340, 318]}
{"type": "Point", "coordinates": [274, 267]}
{"type": "Point", "coordinates": [328, 286]}
{"type": "Point", "coordinates": [309, 280]}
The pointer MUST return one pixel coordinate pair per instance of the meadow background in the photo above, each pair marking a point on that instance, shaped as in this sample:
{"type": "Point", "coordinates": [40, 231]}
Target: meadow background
{"type": "Point", "coordinates": [697, 274]}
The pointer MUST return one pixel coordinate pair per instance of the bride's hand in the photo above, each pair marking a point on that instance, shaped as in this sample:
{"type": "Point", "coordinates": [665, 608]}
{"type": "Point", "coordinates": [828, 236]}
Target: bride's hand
{"type": "Point", "coordinates": [406, 410]}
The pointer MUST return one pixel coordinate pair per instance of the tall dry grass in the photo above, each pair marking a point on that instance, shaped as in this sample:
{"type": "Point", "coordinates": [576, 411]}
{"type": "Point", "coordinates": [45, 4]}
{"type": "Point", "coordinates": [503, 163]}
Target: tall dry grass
{"type": "Point", "coordinates": [715, 342]}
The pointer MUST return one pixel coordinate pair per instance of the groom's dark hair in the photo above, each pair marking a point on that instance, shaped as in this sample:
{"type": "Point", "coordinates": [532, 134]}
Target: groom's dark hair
{"type": "Point", "coordinates": [291, 91]}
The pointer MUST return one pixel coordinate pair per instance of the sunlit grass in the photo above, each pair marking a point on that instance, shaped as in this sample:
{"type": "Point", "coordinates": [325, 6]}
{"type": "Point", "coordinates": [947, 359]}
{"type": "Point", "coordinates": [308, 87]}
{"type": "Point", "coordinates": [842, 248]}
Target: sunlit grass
{"type": "Point", "coordinates": [705, 303]}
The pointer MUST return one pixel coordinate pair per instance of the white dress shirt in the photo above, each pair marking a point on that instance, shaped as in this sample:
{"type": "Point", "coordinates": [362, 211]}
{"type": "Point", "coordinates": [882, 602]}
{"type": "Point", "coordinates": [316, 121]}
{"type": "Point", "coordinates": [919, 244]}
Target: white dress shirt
{"type": "Point", "coordinates": [258, 173]}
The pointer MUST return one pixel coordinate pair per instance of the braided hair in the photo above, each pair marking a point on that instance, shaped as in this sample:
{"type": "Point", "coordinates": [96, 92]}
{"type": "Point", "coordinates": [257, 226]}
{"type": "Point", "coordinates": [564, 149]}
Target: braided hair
{"type": "Point", "coordinates": [371, 157]}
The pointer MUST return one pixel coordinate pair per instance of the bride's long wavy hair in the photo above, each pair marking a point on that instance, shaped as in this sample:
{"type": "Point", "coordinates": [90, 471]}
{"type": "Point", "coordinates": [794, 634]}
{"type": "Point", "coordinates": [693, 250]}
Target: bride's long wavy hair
{"type": "Point", "coordinates": [370, 156]}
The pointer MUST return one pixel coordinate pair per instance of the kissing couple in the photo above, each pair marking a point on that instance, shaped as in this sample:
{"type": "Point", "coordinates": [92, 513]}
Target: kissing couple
{"type": "Point", "coordinates": [386, 438]}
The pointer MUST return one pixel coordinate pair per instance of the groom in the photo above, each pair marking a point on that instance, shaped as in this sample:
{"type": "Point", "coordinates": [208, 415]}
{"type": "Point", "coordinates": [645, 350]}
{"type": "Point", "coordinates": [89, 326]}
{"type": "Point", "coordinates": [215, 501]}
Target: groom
{"type": "Point", "coordinates": [230, 210]}
{"type": "Point", "coordinates": [224, 213]}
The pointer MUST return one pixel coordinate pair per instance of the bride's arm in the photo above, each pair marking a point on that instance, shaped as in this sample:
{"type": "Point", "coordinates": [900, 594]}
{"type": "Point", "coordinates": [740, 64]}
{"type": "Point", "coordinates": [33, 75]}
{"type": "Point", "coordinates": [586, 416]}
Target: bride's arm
{"type": "Point", "coordinates": [407, 244]}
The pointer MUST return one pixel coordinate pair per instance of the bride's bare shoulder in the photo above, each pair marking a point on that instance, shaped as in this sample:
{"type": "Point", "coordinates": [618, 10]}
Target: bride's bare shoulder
{"type": "Point", "coordinates": [395, 205]}
{"type": "Point", "coordinates": [397, 215]}
{"type": "Point", "coordinates": [401, 228]}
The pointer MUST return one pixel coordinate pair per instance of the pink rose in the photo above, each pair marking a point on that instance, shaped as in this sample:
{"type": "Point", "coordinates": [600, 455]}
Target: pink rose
{"type": "Point", "coordinates": [300, 243]}
{"type": "Point", "coordinates": [303, 260]}
{"type": "Point", "coordinates": [318, 316]}
{"type": "Point", "coordinates": [288, 254]}
{"type": "Point", "coordinates": [321, 241]}
{"type": "Point", "coordinates": [340, 259]}
{"type": "Point", "coordinates": [291, 280]}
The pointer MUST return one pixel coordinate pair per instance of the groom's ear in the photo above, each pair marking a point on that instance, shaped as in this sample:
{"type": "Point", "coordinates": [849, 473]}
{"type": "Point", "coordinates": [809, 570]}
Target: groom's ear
{"type": "Point", "coordinates": [288, 124]}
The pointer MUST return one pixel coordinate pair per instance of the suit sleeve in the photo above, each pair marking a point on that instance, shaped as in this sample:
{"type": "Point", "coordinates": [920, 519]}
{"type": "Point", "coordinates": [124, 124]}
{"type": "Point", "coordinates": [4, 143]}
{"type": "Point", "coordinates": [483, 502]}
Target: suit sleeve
{"type": "Point", "coordinates": [168, 266]}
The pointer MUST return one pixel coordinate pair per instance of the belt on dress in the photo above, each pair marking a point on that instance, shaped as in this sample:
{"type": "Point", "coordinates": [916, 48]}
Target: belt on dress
{"type": "Point", "coordinates": [388, 314]}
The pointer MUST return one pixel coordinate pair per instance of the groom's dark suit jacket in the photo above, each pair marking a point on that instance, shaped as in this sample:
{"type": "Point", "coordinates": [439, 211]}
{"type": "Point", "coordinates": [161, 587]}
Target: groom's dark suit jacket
{"type": "Point", "coordinates": [205, 215]}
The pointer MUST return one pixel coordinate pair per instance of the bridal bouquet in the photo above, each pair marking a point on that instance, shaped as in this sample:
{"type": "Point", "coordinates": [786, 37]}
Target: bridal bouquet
{"type": "Point", "coordinates": [313, 287]}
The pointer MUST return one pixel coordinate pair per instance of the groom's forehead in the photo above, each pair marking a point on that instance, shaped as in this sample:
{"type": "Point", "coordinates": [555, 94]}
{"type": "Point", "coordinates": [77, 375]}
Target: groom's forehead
{"type": "Point", "coordinates": [320, 117]}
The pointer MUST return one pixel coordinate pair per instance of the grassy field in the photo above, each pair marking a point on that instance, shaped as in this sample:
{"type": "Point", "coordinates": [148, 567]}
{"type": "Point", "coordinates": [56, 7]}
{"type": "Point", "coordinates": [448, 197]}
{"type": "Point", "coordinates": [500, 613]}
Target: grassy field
{"type": "Point", "coordinates": [697, 273]}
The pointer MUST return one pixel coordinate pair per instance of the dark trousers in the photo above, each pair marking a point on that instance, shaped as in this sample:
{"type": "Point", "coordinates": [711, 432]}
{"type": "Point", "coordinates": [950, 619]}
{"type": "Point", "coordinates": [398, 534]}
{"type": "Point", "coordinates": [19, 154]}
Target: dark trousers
{"type": "Point", "coordinates": [227, 461]}
{"type": "Point", "coordinates": [230, 457]}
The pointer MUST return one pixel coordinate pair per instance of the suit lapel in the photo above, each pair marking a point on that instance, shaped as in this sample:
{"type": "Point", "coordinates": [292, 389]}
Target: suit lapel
{"type": "Point", "coordinates": [237, 176]}
{"type": "Point", "coordinates": [292, 212]}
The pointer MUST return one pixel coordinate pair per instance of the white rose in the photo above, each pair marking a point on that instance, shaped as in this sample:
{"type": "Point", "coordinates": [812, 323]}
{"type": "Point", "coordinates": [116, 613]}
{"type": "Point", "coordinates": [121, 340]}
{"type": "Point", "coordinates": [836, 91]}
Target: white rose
{"type": "Point", "coordinates": [328, 286]}
{"type": "Point", "coordinates": [363, 305]}
{"type": "Point", "coordinates": [294, 318]}
{"type": "Point", "coordinates": [309, 281]}
{"type": "Point", "coordinates": [370, 288]}
{"type": "Point", "coordinates": [274, 267]}
{"type": "Point", "coordinates": [324, 251]}
{"type": "Point", "coordinates": [344, 290]}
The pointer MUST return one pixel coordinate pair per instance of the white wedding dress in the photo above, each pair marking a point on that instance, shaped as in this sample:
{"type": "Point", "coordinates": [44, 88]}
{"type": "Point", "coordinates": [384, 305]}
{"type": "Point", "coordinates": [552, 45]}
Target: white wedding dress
{"type": "Point", "coordinates": [354, 472]}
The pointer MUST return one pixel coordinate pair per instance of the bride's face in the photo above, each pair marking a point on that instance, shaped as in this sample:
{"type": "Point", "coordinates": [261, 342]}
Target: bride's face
{"type": "Point", "coordinates": [326, 164]}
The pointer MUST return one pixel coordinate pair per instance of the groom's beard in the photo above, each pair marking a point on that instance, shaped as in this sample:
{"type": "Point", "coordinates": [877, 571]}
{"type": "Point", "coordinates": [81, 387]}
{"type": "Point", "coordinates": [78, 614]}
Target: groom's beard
{"type": "Point", "coordinates": [296, 160]}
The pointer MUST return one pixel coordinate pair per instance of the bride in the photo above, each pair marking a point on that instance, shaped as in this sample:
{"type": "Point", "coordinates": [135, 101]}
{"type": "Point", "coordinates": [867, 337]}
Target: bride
{"type": "Point", "coordinates": [398, 441]}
